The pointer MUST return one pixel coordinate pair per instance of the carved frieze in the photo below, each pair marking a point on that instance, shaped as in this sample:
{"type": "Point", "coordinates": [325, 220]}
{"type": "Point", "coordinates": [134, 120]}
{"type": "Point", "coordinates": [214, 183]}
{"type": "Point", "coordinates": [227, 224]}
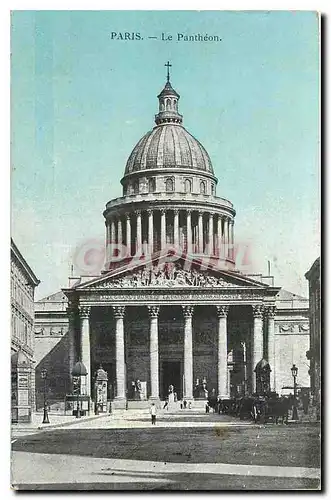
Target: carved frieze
{"type": "Point", "coordinates": [50, 331]}
{"type": "Point", "coordinates": [304, 327]}
{"type": "Point", "coordinates": [170, 275]}
{"type": "Point", "coordinates": [286, 327]}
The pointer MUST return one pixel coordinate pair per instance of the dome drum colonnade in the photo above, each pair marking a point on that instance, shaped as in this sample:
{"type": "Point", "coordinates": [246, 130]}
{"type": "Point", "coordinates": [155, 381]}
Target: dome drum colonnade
{"type": "Point", "coordinates": [169, 196]}
{"type": "Point", "coordinates": [145, 231]}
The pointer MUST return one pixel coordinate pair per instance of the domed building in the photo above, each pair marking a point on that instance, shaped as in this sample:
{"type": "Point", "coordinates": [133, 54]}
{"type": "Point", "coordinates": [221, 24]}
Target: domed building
{"type": "Point", "coordinates": [169, 196]}
{"type": "Point", "coordinates": [170, 312]}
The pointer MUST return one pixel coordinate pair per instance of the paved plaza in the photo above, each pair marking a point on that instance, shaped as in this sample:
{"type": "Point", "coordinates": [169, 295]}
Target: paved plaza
{"type": "Point", "coordinates": [186, 450]}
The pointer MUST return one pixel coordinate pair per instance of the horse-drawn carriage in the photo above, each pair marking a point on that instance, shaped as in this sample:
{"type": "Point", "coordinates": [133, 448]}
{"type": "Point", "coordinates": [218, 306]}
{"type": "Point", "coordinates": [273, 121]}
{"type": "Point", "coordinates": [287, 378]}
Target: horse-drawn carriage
{"type": "Point", "coordinates": [261, 409]}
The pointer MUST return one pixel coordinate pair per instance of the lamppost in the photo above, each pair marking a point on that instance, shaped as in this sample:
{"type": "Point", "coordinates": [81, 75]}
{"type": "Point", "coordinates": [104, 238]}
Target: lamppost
{"type": "Point", "coordinates": [43, 374]}
{"type": "Point", "coordinates": [294, 371]}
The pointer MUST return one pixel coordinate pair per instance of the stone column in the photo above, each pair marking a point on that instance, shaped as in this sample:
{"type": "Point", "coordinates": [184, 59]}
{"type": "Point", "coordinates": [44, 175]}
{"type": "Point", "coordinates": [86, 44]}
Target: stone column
{"type": "Point", "coordinates": [153, 312]}
{"type": "Point", "coordinates": [150, 232]}
{"type": "Point", "coordinates": [85, 348]}
{"type": "Point", "coordinates": [210, 249]}
{"type": "Point", "coordinates": [119, 312]}
{"type": "Point", "coordinates": [189, 231]}
{"type": "Point", "coordinates": [120, 238]}
{"type": "Point", "coordinates": [200, 233]}
{"type": "Point", "coordinates": [107, 241]}
{"type": "Point", "coordinates": [257, 340]}
{"type": "Point", "coordinates": [163, 229]}
{"type": "Point", "coordinates": [188, 352]}
{"type": "Point", "coordinates": [270, 314]}
{"type": "Point", "coordinates": [219, 236]}
{"type": "Point", "coordinates": [112, 238]}
{"type": "Point", "coordinates": [71, 338]}
{"type": "Point", "coordinates": [222, 366]}
{"type": "Point", "coordinates": [228, 253]}
{"type": "Point", "coordinates": [176, 228]}
{"type": "Point", "coordinates": [139, 233]}
{"type": "Point", "coordinates": [128, 235]}
{"type": "Point", "coordinates": [225, 237]}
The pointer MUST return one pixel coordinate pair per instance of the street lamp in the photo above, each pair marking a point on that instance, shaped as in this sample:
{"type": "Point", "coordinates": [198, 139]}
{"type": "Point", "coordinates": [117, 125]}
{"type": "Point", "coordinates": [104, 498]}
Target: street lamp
{"type": "Point", "coordinates": [294, 371]}
{"type": "Point", "coordinates": [43, 374]}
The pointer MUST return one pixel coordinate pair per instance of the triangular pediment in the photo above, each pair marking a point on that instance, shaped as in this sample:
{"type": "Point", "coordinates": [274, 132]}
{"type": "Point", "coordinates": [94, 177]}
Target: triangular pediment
{"type": "Point", "coordinates": [171, 272]}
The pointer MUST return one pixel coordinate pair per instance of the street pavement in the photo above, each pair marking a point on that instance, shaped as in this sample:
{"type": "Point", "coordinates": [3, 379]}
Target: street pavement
{"type": "Point", "coordinates": [185, 450]}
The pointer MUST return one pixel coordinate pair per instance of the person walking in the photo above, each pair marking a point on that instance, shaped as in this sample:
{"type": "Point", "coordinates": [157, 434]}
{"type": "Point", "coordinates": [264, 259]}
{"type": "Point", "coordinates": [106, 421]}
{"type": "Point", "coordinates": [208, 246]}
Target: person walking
{"type": "Point", "coordinates": [153, 413]}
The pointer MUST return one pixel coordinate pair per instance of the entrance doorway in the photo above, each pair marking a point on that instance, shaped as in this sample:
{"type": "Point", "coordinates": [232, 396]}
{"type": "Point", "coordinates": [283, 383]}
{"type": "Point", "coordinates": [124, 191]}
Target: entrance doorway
{"type": "Point", "coordinates": [171, 375]}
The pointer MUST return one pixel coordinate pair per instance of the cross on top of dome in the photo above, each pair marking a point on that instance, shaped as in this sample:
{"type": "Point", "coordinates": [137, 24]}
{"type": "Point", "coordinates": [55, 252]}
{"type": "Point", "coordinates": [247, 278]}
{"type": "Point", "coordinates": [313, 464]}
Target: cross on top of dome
{"type": "Point", "coordinates": [168, 65]}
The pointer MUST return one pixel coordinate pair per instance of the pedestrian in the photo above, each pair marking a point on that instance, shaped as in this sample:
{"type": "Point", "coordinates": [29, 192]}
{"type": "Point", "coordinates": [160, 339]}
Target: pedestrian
{"type": "Point", "coordinates": [153, 413]}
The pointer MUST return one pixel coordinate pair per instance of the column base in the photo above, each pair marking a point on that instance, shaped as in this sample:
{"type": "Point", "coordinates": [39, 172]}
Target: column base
{"type": "Point", "coordinates": [223, 396]}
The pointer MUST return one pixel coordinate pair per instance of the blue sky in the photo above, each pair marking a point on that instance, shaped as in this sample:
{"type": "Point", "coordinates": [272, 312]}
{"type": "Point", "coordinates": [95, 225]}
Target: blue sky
{"type": "Point", "coordinates": [80, 102]}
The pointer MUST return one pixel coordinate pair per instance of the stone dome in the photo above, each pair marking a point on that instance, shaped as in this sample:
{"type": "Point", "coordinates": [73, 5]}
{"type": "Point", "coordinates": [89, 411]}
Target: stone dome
{"type": "Point", "coordinates": [168, 145]}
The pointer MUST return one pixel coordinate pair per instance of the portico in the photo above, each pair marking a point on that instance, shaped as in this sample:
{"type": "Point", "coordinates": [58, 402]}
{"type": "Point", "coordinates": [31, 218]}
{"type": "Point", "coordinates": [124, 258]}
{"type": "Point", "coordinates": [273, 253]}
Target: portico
{"type": "Point", "coordinates": [134, 325]}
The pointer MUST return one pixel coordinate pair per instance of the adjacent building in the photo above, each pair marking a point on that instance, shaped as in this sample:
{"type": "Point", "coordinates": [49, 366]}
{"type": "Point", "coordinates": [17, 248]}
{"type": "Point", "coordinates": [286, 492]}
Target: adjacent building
{"type": "Point", "coordinates": [23, 284]}
{"type": "Point", "coordinates": [314, 352]}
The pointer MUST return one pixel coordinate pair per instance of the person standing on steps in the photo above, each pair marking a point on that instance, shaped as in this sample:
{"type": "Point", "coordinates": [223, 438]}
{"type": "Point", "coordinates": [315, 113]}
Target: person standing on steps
{"type": "Point", "coordinates": [153, 413]}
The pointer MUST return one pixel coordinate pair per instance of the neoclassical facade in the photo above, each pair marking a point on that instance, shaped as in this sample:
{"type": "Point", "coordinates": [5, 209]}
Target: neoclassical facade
{"type": "Point", "coordinates": [170, 307]}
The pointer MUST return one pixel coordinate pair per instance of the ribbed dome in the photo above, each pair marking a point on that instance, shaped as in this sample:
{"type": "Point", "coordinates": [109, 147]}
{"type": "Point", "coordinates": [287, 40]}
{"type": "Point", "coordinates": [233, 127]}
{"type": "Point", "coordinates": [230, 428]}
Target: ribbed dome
{"type": "Point", "coordinates": [168, 146]}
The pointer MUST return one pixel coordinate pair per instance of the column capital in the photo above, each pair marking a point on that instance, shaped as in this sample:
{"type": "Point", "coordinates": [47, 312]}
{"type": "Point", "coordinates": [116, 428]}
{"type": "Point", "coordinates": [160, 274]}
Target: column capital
{"type": "Point", "coordinates": [176, 211]}
{"type": "Point", "coordinates": [270, 311]}
{"type": "Point", "coordinates": [128, 217]}
{"type": "Point", "coordinates": [84, 312]}
{"type": "Point", "coordinates": [200, 213]}
{"type": "Point", "coordinates": [231, 222]}
{"type": "Point", "coordinates": [138, 213]}
{"type": "Point", "coordinates": [150, 212]}
{"type": "Point", "coordinates": [119, 311]}
{"type": "Point", "coordinates": [189, 211]}
{"type": "Point", "coordinates": [153, 311]}
{"type": "Point", "coordinates": [258, 310]}
{"type": "Point", "coordinates": [222, 311]}
{"type": "Point", "coordinates": [162, 211]}
{"type": "Point", "coordinates": [188, 311]}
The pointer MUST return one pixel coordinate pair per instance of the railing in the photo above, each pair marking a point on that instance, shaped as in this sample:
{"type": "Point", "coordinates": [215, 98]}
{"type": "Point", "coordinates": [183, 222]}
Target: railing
{"type": "Point", "coordinates": [187, 197]}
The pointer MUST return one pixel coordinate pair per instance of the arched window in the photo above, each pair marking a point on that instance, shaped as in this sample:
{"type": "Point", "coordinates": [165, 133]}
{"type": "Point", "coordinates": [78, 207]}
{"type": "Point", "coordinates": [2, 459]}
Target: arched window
{"type": "Point", "coordinates": [168, 104]}
{"type": "Point", "coordinates": [213, 189]}
{"type": "Point", "coordinates": [136, 187]}
{"type": "Point", "coordinates": [202, 187]}
{"type": "Point", "coordinates": [151, 185]}
{"type": "Point", "coordinates": [169, 185]}
{"type": "Point", "coordinates": [188, 186]}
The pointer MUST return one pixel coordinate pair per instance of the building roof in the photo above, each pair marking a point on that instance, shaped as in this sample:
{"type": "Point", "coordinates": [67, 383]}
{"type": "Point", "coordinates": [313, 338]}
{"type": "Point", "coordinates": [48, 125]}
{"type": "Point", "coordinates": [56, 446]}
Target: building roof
{"type": "Point", "coordinates": [54, 297]}
{"type": "Point", "coordinates": [15, 253]}
{"type": "Point", "coordinates": [168, 91]}
{"type": "Point", "coordinates": [168, 146]}
{"type": "Point", "coordinates": [314, 271]}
